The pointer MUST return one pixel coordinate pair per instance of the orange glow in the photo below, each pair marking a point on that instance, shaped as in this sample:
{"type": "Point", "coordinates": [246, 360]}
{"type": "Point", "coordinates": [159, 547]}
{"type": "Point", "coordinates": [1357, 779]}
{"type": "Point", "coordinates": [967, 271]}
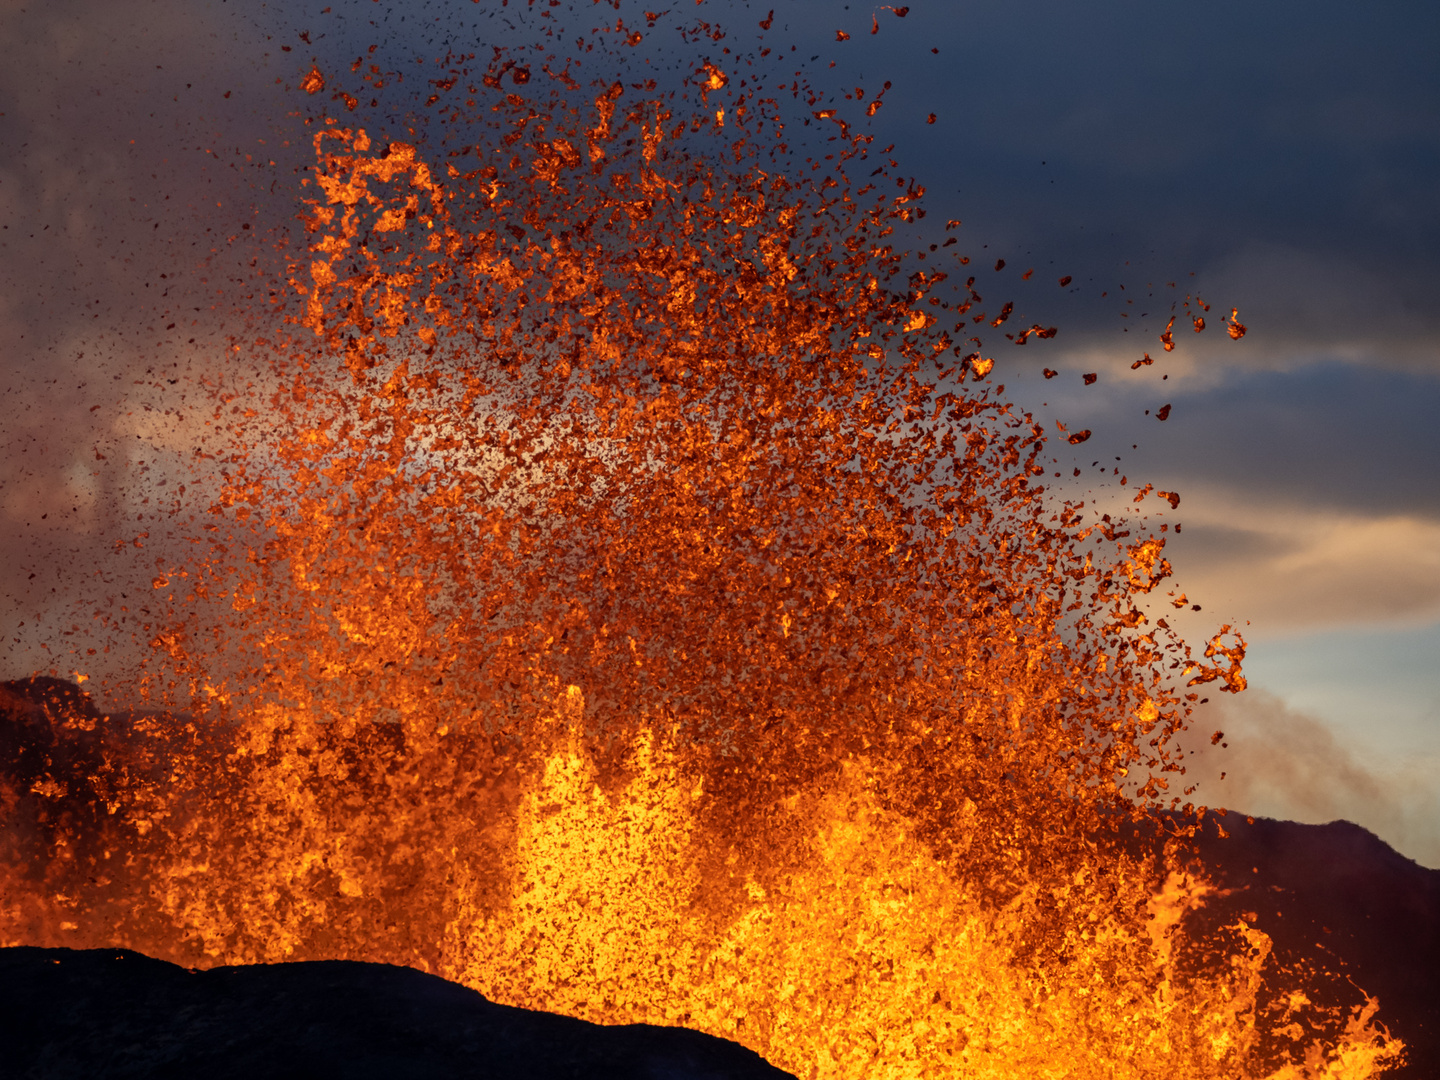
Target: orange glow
{"type": "Point", "coordinates": [641, 616]}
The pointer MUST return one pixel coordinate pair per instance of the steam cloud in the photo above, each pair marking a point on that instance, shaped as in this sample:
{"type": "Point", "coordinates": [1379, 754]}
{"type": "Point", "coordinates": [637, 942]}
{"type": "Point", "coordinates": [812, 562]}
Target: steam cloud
{"type": "Point", "coordinates": [1283, 763]}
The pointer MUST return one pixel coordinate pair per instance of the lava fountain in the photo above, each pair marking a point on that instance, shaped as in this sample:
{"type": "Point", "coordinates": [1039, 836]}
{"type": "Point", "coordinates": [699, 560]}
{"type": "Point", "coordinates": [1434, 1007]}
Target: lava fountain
{"type": "Point", "coordinates": [628, 597]}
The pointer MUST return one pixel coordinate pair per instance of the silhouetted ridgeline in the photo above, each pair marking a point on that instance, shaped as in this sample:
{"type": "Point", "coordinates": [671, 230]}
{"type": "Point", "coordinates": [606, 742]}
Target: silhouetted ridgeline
{"type": "Point", "coordinates": [114, 1013]}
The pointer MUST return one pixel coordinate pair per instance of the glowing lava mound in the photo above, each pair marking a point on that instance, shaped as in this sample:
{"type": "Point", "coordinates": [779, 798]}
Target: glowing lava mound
{"type": "Point", "coordinates": [629, 600]}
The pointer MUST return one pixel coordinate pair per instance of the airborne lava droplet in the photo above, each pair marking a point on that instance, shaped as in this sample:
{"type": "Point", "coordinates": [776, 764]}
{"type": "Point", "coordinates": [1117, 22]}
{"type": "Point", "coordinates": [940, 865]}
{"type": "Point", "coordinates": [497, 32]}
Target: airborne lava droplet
{"type": "Point", "coordinates": [715, 79]}
{"type": "Point", "coordinates": [1168, 337]}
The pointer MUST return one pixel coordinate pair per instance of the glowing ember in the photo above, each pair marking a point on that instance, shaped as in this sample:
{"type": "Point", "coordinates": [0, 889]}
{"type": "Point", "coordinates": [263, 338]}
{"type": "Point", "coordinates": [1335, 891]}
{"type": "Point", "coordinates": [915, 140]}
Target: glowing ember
{"type": "Point", "coordinates": [630, 610]}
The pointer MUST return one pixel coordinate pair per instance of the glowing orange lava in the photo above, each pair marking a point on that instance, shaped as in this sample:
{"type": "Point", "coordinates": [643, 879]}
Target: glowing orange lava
{"type": "Point", "coordinates": [641, 608]}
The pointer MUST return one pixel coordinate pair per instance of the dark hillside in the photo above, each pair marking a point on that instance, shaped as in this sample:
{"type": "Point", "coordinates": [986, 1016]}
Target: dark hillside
{"type": "Point", "coordinates": [107, 1013]}
{"type": "Point", "coordinates": [1338, 892]}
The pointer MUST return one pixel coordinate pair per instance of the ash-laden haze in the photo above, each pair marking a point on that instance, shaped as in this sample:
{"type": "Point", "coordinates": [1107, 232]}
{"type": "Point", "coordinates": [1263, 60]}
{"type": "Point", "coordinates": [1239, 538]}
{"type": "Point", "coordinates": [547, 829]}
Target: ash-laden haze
{"type": "Point", "coordinates": [587, 552]}
{"type": "Point", "coordinates": [134, 136]}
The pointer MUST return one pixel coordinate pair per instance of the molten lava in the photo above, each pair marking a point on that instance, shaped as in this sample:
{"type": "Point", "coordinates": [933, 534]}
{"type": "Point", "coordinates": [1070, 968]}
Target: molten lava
{"type": "Point", "coordinates": [630, 609]}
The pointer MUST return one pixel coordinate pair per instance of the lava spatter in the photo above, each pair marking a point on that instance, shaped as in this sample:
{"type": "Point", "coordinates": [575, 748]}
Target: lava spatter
{"type": "Point", "coordinates": [642, 607]}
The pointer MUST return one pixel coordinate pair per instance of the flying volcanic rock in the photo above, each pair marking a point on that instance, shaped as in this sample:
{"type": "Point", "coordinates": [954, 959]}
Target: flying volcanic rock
{"type": "Point", "coordinates": [114, 1013]}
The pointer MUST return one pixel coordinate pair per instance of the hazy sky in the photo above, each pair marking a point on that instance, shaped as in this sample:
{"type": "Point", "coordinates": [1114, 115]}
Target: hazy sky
{"type": "Point", "coordinates": [1287, 155]}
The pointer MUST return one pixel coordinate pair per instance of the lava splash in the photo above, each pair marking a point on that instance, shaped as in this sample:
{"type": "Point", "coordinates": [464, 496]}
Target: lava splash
{"type": "Point", "coordinates": [629, 598]}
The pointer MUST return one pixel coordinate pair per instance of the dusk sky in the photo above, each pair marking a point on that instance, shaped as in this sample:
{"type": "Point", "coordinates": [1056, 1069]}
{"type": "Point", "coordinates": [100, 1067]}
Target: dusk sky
{"type": "Point", "coordinates": [1282, 159]}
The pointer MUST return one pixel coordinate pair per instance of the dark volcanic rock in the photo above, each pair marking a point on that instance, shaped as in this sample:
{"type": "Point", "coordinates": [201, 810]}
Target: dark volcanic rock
{"type": "Point", "coordinates": [112, 1013]}
{"type": "Point", "coordinates": [1340, 894]}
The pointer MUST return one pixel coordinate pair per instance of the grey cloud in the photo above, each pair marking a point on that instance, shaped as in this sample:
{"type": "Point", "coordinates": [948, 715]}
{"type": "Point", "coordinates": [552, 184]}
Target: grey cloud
{"type": "Point", "coordinates": [121, 173]}
{"type": "Point", "coordinates": [1325, 436]}
{"type": "Point", "coordinates": [1285, 764]}
{"type": "Point", "coordinates": [1287, 153]}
